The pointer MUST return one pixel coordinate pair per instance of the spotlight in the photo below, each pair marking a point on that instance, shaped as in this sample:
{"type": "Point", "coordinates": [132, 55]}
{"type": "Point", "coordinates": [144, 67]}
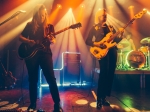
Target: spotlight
{"type": "Point", "coordinates": [59, 6]}
{"type": "Point", "coordinates": [131, 7]}
{"type": "Point", "coordinates": [82, 6]}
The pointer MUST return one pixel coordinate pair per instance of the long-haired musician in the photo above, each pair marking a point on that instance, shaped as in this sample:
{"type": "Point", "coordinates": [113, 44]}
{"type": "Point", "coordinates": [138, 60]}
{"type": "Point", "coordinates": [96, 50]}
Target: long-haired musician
{"type": "Point", "coordinates": [34, 33]}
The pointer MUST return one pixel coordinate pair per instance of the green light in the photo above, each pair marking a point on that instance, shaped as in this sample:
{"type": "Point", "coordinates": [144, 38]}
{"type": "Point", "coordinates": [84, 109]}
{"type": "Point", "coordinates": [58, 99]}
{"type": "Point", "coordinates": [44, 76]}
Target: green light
{"type": "Point", "coordinates": [128, 101]}
{"type": "Point", "coordinates": [127, 58]}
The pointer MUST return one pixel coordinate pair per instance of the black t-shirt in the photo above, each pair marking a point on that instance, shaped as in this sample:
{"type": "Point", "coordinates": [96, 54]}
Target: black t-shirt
{"type": "Point", "coordinates": [38, 35]}
{"type": "Point", "coordinates": [99, 33]}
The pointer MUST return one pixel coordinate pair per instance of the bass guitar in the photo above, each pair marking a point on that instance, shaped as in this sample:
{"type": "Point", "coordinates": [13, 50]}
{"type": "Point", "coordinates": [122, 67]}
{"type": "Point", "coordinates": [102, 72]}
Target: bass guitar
{"type": "Point", "coordinates": [26, 52]}
{"type": "Point", "coordinates": [107, 42]}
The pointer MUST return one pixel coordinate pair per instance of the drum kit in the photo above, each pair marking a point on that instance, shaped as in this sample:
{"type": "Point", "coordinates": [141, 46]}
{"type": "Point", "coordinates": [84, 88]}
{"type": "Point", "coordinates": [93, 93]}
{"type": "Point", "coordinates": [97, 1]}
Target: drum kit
{"type": "Point", "coordinates": [134, 59]}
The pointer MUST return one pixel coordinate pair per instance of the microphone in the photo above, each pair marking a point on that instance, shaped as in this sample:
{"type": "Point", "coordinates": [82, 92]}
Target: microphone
{"type": "Point", "coordinates": [22, 11]}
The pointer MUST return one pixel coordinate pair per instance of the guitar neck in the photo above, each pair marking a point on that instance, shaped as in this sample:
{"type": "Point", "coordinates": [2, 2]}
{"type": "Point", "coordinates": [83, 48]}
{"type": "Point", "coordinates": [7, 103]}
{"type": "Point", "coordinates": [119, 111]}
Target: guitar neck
{"type": "Point", "coordinates": [60, 31]}
{"type": "Point", "coordinates": [77, 25]}
{"type": "Point", "coordinates": [118, 32]}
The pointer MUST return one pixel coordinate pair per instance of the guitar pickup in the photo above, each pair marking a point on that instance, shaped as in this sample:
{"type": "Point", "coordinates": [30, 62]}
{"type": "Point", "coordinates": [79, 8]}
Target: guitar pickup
{"type": "Point", "coordinates": [103, 46]}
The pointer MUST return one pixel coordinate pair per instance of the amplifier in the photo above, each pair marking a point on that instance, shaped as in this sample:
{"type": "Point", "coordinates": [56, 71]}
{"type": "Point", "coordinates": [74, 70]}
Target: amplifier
{"type": "Point", "coordinates": [71, 69]}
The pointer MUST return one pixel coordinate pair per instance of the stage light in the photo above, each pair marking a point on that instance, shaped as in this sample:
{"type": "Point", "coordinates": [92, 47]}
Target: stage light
{"type": "Point", "coordinates": [59, 6]}
{"type": "Point", "coordinates": [131, 7]}
{"type": "Point", "coordinates": [82, 6]}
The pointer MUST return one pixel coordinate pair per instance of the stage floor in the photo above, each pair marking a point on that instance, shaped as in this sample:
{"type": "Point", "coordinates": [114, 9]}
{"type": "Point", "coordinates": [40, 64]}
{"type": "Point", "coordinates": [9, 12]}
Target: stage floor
{"type": "Point", "coordinates": [77, 99]}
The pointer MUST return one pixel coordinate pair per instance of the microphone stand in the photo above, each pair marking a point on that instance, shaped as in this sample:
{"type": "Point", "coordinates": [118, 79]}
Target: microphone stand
{"type": "Point", "coordinates": [11, 17]}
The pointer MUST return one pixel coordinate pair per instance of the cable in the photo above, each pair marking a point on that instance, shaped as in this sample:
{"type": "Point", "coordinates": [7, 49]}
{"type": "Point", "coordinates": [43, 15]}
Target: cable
{"type": "Point", "coordinates": [22, 94]}
{"type": "Point", "coordinates": [122, 103]}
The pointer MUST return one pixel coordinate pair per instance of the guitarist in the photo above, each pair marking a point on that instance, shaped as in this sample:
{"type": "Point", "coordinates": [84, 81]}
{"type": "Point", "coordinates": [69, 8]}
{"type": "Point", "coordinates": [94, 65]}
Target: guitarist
{"type": "Point", "coordinates": [107, 63]}
{"type": "Point", "coordinates": [33, 33]}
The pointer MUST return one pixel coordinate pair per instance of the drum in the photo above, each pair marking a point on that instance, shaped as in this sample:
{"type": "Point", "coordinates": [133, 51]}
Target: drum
{"type": "Point", "coordinates": [144, 49]}
{"type": "Point", "coordinates": [135, 59]}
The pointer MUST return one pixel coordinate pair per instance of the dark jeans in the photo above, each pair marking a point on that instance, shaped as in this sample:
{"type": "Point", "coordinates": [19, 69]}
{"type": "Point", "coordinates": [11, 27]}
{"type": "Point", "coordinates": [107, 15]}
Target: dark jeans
{"type": "Point", "coordinates": [44, 60]}
{"type": "Point", "coordinates": [107, 69]}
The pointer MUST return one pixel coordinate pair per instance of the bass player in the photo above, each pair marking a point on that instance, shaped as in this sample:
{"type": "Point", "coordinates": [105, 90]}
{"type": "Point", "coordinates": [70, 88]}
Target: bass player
{"type": "Point", "coordinates": [108, 63]}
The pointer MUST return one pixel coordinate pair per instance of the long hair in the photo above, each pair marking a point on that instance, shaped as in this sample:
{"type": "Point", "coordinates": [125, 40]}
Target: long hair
{"type": "Point", "coordinates": [36, 15]}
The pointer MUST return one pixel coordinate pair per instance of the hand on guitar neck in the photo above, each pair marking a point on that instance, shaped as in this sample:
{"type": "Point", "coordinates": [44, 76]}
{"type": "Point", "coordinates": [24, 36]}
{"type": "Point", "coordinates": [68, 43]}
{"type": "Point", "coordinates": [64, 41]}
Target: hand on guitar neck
{"type": "Point", "coordinates": [121, 31]}
{"type": "Point", "coordinates": [51, 38]}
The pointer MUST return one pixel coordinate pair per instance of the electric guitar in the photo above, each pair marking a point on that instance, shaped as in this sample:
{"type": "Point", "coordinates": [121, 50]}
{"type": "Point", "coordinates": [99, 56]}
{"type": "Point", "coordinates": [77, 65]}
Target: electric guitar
{"type": "Point", "coordinates": [9, 80]}
{"type": "Point", "coordinates": [26, 52]}
{"type": "Point", "coordinates": [107, 42]}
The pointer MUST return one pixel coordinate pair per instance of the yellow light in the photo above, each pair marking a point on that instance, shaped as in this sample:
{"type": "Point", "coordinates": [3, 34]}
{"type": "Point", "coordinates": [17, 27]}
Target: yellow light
{"type": "Point", "coordinates": [70, 9]}
{"type": "Point", "coordinates": [93, 104]}
{"type": "Point", "coordinates": [81, 102]}
{"type": "Point", "coordinates": [82, 6]}
{"type": "Point", "coordinates": [148, 12]}
{"type": "Point", "coordinates": [131, 7]}
{"type": "Point", "coordinates": [59, 6]}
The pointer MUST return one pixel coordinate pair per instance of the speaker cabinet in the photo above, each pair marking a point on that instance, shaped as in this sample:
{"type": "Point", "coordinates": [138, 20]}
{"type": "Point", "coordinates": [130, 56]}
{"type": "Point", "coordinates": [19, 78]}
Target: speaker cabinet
{"type": "Point", "coordinates": [71, 69]}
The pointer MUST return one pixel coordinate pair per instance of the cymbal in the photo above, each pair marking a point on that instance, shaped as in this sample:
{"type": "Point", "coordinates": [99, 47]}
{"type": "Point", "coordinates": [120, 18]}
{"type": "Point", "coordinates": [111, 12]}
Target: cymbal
{"type": "Point", "coordinates": [145, 41]}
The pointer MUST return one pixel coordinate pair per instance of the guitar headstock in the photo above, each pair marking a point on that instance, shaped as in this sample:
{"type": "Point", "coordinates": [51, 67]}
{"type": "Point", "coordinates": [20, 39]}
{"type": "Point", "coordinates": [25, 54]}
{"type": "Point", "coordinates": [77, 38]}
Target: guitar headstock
{"type": "Point", "coordinates": [77, 25]}
{"type": "Point", "coordinates": [140, 14]}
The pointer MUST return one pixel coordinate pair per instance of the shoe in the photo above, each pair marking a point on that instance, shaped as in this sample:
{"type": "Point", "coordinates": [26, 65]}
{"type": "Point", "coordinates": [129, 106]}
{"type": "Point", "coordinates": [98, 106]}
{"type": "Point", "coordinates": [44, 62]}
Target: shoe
{"type": "Point", "coordinates": [99, 104]}
{"type": "Point", "coordinates": [32, 106]}
{"type": "Point", "coordinates": [57, 108]}
{"type": "Point", "coordinates": [105, 102]}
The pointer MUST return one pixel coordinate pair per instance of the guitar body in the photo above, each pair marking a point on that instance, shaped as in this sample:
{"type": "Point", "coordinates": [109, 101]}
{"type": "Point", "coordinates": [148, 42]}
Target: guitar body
{"type": "Point", "coordinates": [9, 80]}
{"type": "Point", "coordinates": [106, 42]}
{"type": "Point", "coordinates": [100, 52]}
{"type": "Point", "coordinates": [27, 52]}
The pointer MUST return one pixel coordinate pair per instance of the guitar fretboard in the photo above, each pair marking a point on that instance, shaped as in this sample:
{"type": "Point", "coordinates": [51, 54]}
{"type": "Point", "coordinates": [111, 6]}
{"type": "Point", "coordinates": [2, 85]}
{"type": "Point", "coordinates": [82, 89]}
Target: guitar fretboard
{"type": "Point", "coordinates": [61, 31]}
